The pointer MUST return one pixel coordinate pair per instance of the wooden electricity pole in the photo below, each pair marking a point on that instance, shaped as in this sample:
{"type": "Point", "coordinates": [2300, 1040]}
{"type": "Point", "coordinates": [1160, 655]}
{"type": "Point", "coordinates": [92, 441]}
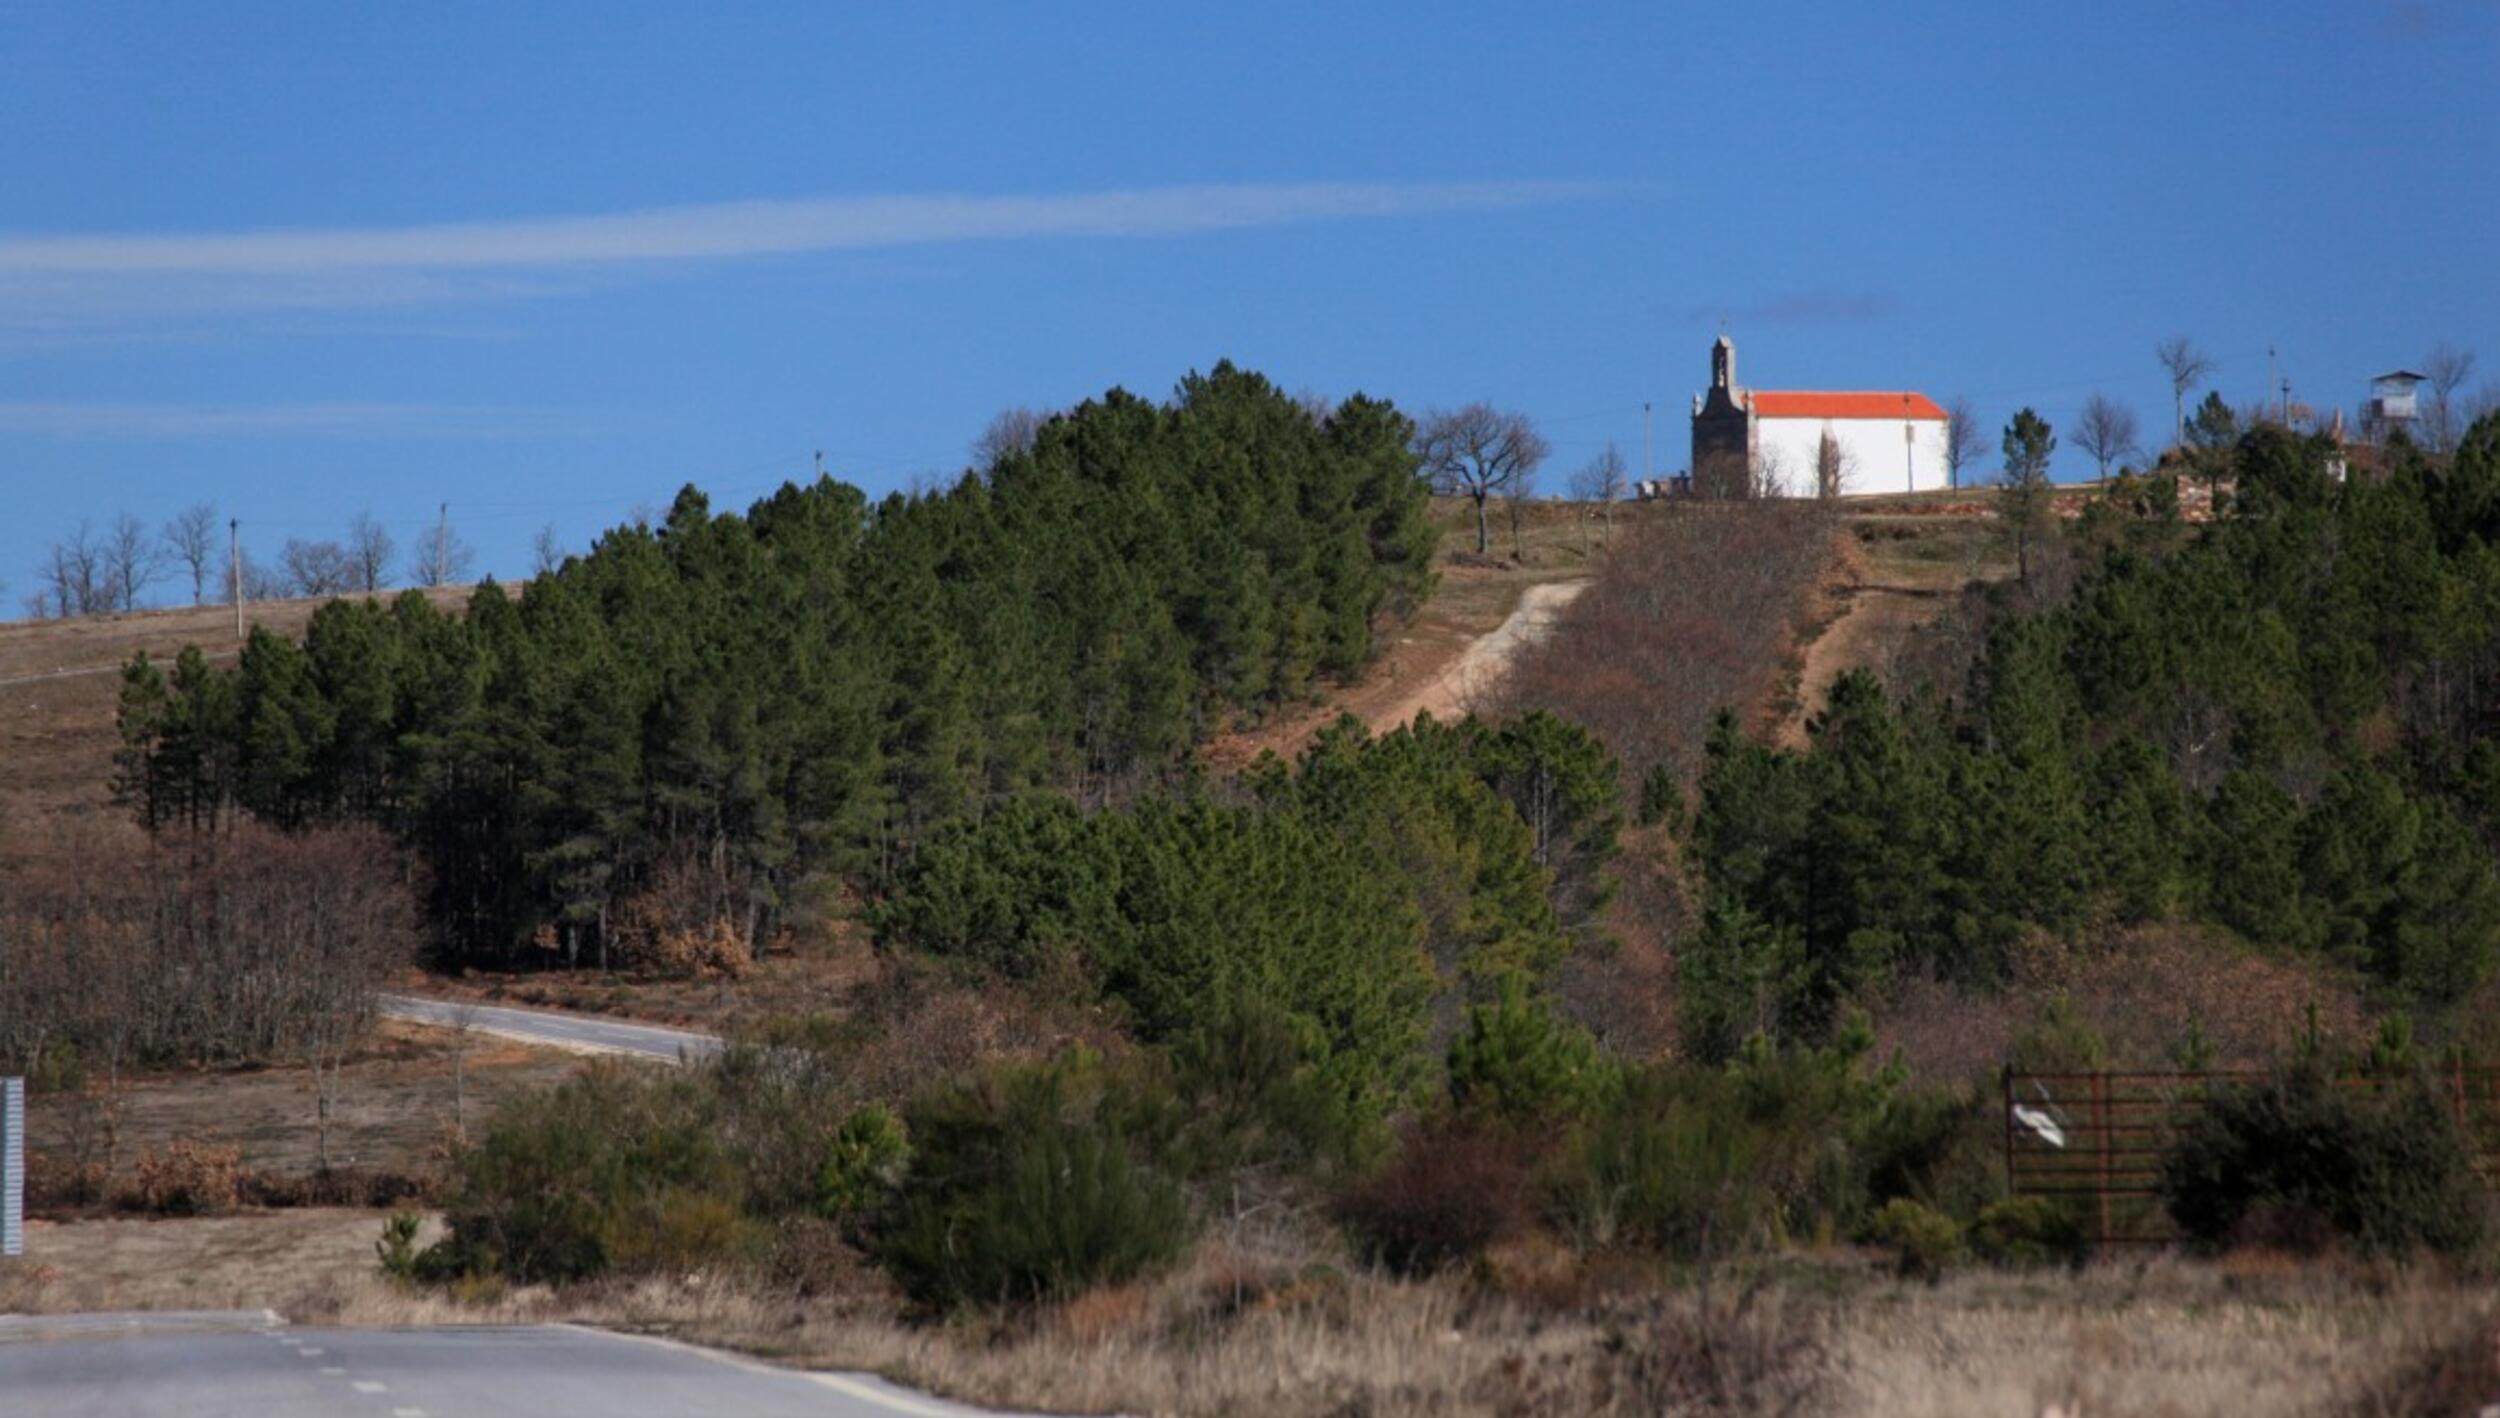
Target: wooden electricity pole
{"type": "Point", "coordinates": [234, 568]}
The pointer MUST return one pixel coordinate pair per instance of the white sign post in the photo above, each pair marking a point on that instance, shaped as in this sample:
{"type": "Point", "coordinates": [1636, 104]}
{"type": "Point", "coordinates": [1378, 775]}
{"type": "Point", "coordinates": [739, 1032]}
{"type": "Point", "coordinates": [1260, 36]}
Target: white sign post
{"type": "Point", "coordinates": [12, 1166]}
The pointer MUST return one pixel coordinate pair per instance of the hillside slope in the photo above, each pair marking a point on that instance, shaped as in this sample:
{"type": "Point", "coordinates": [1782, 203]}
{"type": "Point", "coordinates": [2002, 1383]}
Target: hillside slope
{"type": "Point", "coordinates": [60, 682]}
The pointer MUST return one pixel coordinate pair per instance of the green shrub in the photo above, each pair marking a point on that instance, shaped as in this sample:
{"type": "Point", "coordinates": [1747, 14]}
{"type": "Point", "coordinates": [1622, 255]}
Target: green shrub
{"type": "Point", "coordinates": [1249, 1091]}
{"type": "Point", "coordinates": [610, 1170]}
{"type": "Point", "coordinates": [1517, 1061]}
{"type": "Point", "coordinates": [870, 1153]}
{"type": "Point", "coordinates": [1781, 1143]}
{"type": "Point", "coordinates": [2303, 1157]}
{"type": "Point", "coordinates": [1674, 1164]}
{"type": "Point", "coordinates": [1662, 799]}
{"type": "Point", "coordinates": [397, 1250]}
{"type": "Point", "coordinates": [1924, 1239]}
{"type": "Point", "coordinates": [1028, 1183]}
{"type": "Point", "coordinates": [2031, 1231]}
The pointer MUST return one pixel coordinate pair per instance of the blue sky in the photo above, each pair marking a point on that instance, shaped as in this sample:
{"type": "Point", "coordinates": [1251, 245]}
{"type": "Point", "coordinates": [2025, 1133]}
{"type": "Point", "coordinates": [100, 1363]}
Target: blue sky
{"type": "Point", "coordinates": [547, 263]}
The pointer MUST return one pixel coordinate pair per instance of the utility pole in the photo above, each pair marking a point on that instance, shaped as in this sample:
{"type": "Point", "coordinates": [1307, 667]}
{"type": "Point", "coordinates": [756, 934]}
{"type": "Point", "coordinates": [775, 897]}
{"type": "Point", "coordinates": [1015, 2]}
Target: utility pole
{"type": "Point", "coordinates": [1646, 473]}
{"type": "Point", "coordinates": [442, 544]}
{"type": "Point", "coordinates": [2270, 377]}
{"type": "Point", "coordinates": [234, 568]}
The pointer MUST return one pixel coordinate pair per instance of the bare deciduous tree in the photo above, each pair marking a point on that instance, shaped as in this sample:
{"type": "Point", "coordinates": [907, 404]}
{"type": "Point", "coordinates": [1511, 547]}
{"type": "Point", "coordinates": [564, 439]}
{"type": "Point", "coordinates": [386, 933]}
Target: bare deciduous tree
{"type": "Point", "coordinates": [132, 561]}
{"type": "Point", "coordinates": [1964, 439]}
{"type": "Point", "coordinates": [369, 548]}
{"type": "Point", "coordinates": [70, 579]}
{"type": "Point", "coordinates": [317, 568]}
{"type": "Point", "coordinates": [546, 553]}
{"type": "Point", "coordinates": [2106, 429]}
{"type": "Point", "coordinates": [2188, 366]}
{"type": "Point", "coordinates": [1012, 431]}
{"type": "Point", "coordinates": [2445, 369]}
{"type": "Point", "coordinates": [440, 557]}
{"type": "Point", "coordinates": [190, 538]}
{"type": "Point", "coordinates": [254, 581]}
{"type": "Point", "coordinates": [1835, 467]}
{"type": "Point", "coordinates": [2481, 404]}
{"type": "Point", "coordinates": [1479, 452]}
{"type": "Point", "coordinates": [1603, 480]}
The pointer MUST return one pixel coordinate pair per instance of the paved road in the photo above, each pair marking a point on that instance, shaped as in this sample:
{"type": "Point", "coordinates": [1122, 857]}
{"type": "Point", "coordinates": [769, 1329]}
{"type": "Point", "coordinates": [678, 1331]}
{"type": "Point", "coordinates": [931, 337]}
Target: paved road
{"type": "Point", "coordinates": [547, 1371]}
{"type": "Point", "coordinates": [584, 1033]}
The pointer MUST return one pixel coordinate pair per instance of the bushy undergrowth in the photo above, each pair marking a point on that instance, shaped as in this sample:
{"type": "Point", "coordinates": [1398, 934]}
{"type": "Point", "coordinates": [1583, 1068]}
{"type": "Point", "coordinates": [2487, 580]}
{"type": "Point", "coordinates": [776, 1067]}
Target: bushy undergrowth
{"type": "Point", "coordinates": [609, 1171]}
{"type": "Point", "coordinates": [1780, 1144]}
{"type": "Point", "coordinates": [1030, 1182]}
{"type": "Point", "coordinates": [1452, 1189]}
{"type": "Point", "coordinates": [2307, 1159]}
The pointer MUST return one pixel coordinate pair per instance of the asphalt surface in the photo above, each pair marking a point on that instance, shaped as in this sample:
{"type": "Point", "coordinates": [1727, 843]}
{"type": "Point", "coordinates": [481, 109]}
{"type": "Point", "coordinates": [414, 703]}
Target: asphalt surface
{"type": "Point", "coordinates": [583, 1033]}
{"type": "Point", "coordinates": [140, 1367]}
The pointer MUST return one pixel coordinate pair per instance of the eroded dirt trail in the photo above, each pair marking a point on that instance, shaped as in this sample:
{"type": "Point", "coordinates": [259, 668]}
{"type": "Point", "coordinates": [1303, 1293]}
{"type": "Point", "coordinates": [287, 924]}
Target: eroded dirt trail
{"type": "Point", "coordinates": [1466, 680]}
{"type": "Point", "coordinates": [1876, 620]}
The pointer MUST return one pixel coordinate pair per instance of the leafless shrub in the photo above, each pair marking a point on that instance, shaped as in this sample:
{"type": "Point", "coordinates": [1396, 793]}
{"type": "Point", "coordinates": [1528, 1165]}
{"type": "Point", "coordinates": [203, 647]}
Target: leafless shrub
{"type": "Point", "coordinates": [678, 927]}
{"type": "Point", "coordinates": [1447, 1195]}
{"type": "Point", "coordinates": [230, 947]}
{"type": "Point", "coordinates": [187, 1177]}
{"type": "Point", "coordinates": [2144, 991]}
{"type": "Point", "coordinates": [1691, 612]}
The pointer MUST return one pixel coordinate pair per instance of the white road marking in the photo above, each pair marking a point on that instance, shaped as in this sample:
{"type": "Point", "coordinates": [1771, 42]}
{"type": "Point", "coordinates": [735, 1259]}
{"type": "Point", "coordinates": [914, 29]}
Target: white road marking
{"type": "Point", "coordinates": [309, 1352]}
{"type": "Point", "coordinates": [407, 1413]}
{"type": "Point", "coordinates": [843, 1383]}
{"type": "Point", "coordinates": [840, 1383]}
{"type": "Point", "coordinates": [333, 1372]}
{"type": "Point", "coordinates": [369, 1386]}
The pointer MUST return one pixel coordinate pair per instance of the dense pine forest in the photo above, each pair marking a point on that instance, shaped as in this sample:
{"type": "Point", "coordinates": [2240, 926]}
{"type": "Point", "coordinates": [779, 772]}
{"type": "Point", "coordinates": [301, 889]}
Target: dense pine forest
{"type": "Point", "coordinates": [2285, 724]}
{"type": "Point", "coordinates": [712, 721]}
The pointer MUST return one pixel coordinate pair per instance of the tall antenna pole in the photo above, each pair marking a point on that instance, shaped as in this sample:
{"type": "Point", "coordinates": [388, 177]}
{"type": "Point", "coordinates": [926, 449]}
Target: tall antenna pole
{"type": "Point", "coordinates": [1646, 473]}
{"type": "Point", "coordinates": [442, 544]}
{"type": "Point", "coordinates": [2270, 374]}
{"type": "Point", "coordinates": [234, 568]}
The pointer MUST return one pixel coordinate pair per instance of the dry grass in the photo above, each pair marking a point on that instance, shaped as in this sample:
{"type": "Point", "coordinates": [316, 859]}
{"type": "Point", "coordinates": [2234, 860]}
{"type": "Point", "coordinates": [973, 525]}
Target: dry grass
{"type": "Point", "coordinates": [283, 1260]}
{"type": "Point", "coordinates": [395, 1106]}
{"type": "Point", "coordinates": [1559, 541]}
{"type": "Point", "coordinates": [1261, 1323]}
{"type": "Point", "coordinates": [60, 683]}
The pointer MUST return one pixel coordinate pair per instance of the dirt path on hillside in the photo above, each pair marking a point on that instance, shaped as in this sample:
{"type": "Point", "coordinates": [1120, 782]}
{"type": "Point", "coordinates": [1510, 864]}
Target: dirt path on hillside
{"type": "Point", "coordinates": [1448, 656]}
{"type": "Point", "coordinates": [1465, 681]}
{"type": "Point", "coordinates": [1877, 620]}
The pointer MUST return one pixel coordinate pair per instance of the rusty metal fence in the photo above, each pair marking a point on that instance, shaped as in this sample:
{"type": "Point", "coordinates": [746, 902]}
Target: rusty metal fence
{"type": "Point", "coordinates": [2098, 1139]}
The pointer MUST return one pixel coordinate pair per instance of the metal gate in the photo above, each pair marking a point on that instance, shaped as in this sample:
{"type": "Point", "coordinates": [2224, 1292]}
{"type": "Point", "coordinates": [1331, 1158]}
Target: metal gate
{"type": "Point", "coordinates": [2099, 1138]}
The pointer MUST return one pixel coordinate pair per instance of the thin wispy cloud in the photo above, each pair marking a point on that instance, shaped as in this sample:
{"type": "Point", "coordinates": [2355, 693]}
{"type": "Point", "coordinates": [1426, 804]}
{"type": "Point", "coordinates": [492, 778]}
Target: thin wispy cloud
{"type": "Point", "coordinates": [106, 420]}
{"type": "Point", "coordinates": [61, 277]}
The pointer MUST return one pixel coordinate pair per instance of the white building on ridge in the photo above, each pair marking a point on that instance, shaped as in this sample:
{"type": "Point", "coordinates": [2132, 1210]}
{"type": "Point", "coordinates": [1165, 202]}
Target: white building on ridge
{"type": "Point", "coordinates": [1802, 443]}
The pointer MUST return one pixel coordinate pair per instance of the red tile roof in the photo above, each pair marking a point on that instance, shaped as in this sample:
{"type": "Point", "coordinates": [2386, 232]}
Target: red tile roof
{"type": "Point", "coordinates": [1803, 404]}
